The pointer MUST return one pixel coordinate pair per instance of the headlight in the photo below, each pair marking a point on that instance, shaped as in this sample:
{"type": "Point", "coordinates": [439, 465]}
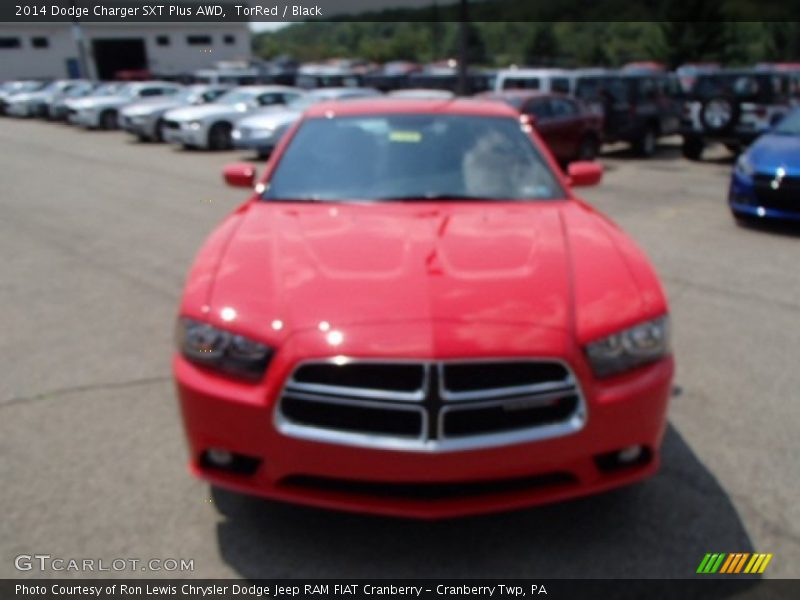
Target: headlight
{"type": "Point", "coordinates": [644, 343]}
{"type": "Point", "coordinates": [744, 166]}
{"type": "Point", "coordinates": [195, 125]}
{"type": "Point", "coordinates": [209, 346]}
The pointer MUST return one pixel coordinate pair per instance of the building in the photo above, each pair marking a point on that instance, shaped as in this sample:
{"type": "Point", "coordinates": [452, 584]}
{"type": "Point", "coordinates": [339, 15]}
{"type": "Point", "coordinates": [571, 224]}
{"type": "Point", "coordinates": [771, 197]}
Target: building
{"type": "Point", "coordinates": [53, 50]}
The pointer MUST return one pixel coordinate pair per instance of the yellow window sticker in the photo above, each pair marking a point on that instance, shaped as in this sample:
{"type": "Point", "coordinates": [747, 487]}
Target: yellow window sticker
{"type": "Point", "coordinates": [407, 137]}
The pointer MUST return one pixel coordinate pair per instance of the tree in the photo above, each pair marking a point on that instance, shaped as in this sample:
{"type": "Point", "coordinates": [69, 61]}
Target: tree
{"type": "Point", "coordinates": [542, 47]}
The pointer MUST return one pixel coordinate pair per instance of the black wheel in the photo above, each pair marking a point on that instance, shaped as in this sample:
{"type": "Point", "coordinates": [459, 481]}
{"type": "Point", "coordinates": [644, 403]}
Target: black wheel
{"type": "Point", "coordinates": [159, 131]}
{"type": "Point", "coordinates": [735, 149]}
{"type": "Point", "coordinates": [263, 153]}
{"type": "Point", "coordinates": [692, 148]}
{"type": "Point", "coordinates": [219, 137]}
{"type": "Point", "coordinates": [719, 114]}
{"type": "Point", "coordinates": [142, 137]}
{"type": "Point", "coordinates": [108, 120]}
{"type": "Point", "coordinates": [648, 142]}
{"type": "Point", "coordinates": [589, 148]}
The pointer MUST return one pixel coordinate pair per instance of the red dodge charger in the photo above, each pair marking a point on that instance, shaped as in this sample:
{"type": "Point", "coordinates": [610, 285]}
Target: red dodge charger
{"type": "Point", "coordinates": [412, 315]}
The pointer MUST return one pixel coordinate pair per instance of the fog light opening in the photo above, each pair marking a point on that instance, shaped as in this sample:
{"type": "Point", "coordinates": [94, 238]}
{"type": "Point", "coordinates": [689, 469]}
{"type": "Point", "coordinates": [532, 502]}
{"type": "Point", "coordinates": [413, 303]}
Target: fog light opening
{"type": "Point", "coordinates": [218, 459]}
{"type": "Point", "coordinates": [625, 458]}
{"type": "Point", "coordinates": [630, 454]}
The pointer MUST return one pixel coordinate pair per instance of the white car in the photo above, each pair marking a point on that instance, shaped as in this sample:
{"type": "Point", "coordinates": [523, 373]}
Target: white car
{"type": "Point", "coordinates": [34, 104]}
{"type": "Point", "coordinates": [9, 89]}
{"type": "Point", "coordinates": [210, 126]}
{"type": "Point", "coordinates": [102, 112]}
{"type": "Point", "coordinates": [264, 129]}
{"type": "Point", "coordinates": [422, 94]}
{"type": "Point", "coordinates": [145, 119]}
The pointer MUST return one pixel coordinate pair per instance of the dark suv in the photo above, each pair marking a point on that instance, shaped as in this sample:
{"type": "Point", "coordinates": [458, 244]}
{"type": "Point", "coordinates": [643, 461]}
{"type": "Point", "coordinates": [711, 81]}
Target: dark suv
{"type": "Point", "coordinates": [734, 107]}
{"type": "Point", "coordinates": [638, 107]}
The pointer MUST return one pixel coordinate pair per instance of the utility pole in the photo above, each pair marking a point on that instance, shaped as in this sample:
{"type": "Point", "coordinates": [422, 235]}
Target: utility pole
{"type": "Point", "coordinates": [80, 42]}
{"type": "Point", "coordinates": [463, 49]}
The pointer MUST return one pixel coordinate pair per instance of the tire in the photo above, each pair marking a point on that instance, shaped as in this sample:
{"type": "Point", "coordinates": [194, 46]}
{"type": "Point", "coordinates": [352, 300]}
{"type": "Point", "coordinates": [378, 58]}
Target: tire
{"type": "Point", "coordinates": [588, 149]}
{"type": "Point", "coordinates": [159, 131]}
{"type": "Point", "coordinates": [219, 137]}
{"type": "Point", "coordinates": [719, 114]}
{"type": "Point", "coordinates": [647, 143]}
{"type": "Point", "coordinates": [735, 149]}
{"type": "Point", "coordinates": [263, 153]}
{"type": "Point", "coordinates": [692, 148]}
{"type": "Point", "coordinates": [108, 120]}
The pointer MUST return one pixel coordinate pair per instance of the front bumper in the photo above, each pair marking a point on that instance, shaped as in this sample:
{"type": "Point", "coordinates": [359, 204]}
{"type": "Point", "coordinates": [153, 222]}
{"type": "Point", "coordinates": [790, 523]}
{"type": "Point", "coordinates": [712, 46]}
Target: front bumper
{"type": "Point", "coordinates": [85, 118]}
{"type": "Point", "coordinates": [223, 413]}
{"type": "Point", "coordinates": [743, 200]}
{"type": "Point", "coordinates": [138, 126]}
{"type": "Point", "coordinates": [186, 136]}
{"type": "Point", "coordinates": [19, 109]}
{"type": "Point", "coordinates": [254, 140]}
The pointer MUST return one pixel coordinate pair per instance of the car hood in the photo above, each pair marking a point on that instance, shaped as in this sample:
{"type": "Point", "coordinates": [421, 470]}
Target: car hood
{"type": "Point", "coordinates": [771, 151]}
{"type": "Point", "coordinates": [149, 107]}
{"type": "Point", "coordinates": [207, 111]}
{"type": "Point", "coordinates": [100, 102]}
{"type": "Point", "coordinates": [270, 119]}
{"type": "Point", "coordinates": [347, 264]}
{"type": "Point", "coordinates": [30, 96]}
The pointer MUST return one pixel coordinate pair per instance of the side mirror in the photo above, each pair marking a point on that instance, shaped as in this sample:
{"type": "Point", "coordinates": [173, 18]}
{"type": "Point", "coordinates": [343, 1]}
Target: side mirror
{"type": "Point", "coordinates": [584, 173]}
{"type": "Point", "coordinates": [240, 175]}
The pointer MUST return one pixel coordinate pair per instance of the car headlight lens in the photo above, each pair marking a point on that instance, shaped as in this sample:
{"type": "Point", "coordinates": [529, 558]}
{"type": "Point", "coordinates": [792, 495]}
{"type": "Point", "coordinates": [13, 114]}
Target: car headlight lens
{"type": "Point", "coordinates": [630, 348]}
{"type": "Point", "coordinates": [745, 166]}
{"type": "Point", "coordinates": [195, 125]}
{"type": "Point", "coordinates": [216, 348]}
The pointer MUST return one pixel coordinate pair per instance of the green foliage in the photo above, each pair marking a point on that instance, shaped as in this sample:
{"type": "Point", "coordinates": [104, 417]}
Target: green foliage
{"type": "Point", "coordinates": [694, 32]}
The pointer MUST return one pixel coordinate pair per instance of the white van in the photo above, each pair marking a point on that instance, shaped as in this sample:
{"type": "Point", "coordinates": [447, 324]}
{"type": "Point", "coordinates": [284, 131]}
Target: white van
{"type": "Point", "coordinates": [543, 80]}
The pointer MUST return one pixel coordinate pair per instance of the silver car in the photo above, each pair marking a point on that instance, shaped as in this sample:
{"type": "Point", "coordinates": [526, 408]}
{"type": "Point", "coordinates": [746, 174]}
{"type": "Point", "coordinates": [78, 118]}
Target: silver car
{"type": "Point", "coordinates": [263, 130]}
{"type": "Point", "coordinates": [62, 107]}
{"type": "Point", "coordinates": [102, 112]}
{"type": "Point", "coordinates": [35, 104]}
{"type": "Point", "coordinates": [9, 89]}
{"type": "Point", "coordinates": [210, 126]}
{"type": "Point", "coordinates": [145, 119]}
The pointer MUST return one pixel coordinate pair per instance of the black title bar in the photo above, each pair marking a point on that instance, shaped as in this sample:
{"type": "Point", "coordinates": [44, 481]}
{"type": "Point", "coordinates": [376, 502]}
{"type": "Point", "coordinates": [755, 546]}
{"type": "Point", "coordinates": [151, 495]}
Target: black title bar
{"type": "Point", "coordinates": [705, 587]}
{"type": "Point", "coordinates": [152, 11]}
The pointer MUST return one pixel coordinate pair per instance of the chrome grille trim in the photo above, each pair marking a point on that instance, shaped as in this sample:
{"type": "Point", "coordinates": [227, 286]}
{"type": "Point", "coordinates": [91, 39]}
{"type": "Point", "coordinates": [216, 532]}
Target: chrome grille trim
{"type": "Point", "coordinates": [450, 402]}
{"type": "Point", "coordinates": [354, 392]}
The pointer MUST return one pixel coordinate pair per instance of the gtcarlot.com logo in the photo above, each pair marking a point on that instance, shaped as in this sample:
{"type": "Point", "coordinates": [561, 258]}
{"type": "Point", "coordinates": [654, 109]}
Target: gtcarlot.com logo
{"type": "Point", "coordinates": [46, 562]}
{"type": "Point", "coordinates": [734, 563]}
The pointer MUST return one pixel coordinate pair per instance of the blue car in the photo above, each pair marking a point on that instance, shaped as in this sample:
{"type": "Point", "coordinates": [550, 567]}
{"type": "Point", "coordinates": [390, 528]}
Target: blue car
{"type": "Point", "coordinates": [766, 180]}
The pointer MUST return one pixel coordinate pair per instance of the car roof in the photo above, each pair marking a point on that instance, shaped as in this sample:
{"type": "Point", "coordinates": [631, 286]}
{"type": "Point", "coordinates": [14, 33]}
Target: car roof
{"type": "Point", "coordinates": [532, 72]}
{"type": "Point", "coordinates": [519, 93]}
{"type": "Point", "coordinates": [388, 105]}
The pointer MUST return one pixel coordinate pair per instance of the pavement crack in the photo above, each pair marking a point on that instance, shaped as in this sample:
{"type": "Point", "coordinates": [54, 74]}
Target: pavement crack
{"type": "Point", "coordinates": [113, 385]}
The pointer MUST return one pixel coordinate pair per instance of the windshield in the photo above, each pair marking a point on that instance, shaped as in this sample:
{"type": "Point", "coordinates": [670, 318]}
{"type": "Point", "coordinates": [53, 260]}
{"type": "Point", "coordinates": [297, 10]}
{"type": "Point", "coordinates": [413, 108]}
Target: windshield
{"type": "Point", "coordinates": [412, 157]}
{"type": "Point", "coordinates": [790, 124]}
{"type": "Point", "coordinates": [236, 97]}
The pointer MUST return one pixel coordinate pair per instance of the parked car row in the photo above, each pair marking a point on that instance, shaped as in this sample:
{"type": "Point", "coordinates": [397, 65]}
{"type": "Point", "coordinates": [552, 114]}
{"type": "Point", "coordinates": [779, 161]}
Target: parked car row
{"type": "Point", "coordinates": [255, 117]}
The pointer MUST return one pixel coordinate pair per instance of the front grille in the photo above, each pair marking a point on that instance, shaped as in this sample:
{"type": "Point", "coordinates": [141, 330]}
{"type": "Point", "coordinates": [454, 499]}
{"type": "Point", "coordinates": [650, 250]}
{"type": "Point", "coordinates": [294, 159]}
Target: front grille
{"type": "Point", "coordinates": [172, 124]}
{"type": "Point", "coordinates": [777, 193]}
{"type": "Point", "coordinates": [430, 406]}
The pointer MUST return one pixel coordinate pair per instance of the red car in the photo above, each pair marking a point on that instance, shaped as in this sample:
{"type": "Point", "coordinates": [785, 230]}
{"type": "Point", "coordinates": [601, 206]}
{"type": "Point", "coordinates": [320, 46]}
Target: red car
{"type": "Point", "coordinates": [570, 129]}
{"type": "Point", "coordinates": [412, 315]}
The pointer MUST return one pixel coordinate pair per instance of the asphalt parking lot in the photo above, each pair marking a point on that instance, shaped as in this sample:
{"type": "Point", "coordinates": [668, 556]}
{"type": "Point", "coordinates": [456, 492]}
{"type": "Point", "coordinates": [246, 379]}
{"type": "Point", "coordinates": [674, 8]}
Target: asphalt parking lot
{"type": "Point", "coordinates": [96, 234]}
